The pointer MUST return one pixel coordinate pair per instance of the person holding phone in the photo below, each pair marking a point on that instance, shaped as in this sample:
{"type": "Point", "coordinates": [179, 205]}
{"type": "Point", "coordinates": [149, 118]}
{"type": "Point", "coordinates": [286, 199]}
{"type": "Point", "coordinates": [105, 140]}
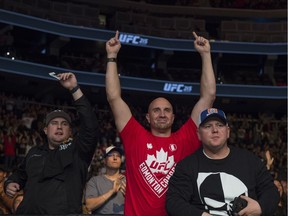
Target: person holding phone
{"type": "Point", "coordinates": [53, 175]}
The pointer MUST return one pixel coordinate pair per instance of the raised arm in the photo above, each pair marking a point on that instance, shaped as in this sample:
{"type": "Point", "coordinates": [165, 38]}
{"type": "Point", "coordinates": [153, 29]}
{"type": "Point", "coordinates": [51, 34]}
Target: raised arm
{"type": "Point", "coordinates": [207, 82]}
{"type": "Point", "coordinates": [88, 129]}
{"type": "Point", "coordinates": [120, 109]}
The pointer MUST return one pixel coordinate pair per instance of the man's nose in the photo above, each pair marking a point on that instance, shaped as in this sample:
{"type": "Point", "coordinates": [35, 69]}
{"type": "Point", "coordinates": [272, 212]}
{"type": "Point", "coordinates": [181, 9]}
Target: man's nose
{"type": "Point", "coordinates": [214, 128]}
{"type": "Point", "coordinates": [59, 125]}
{"type": "Point", "coordinates": [162, 113]}
{"type": "Point", "coordinates": [115, 157]}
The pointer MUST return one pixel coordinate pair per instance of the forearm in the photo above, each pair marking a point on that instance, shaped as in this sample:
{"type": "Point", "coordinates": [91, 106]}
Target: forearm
{"type": "Point", "coordinates": [96, 202]}
{"type": "Point", "coordinates": [268, 199]}
{"type": "Point", "coordinates": [207, 87]}
{"type": "Point", "coordinates": [88, 132]}
{"type": "Point", "coordinates": [113, 87]}
{"type": "Point", "coordinates": [266, 191]}
{"type": "Point", "coordinates": [177, 206]}
{"type": "Point", "coordinates": [19, 176]}
{"type": "Point", "coordinates": [180, 193]}
{"type": "Point", "coordinates": [208, 82]}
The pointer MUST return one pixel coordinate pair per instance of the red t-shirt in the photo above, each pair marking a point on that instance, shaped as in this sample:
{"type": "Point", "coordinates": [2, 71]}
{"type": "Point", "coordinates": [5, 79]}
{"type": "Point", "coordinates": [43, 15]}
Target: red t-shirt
{"type": "Point", "coordinates": [150, 162]}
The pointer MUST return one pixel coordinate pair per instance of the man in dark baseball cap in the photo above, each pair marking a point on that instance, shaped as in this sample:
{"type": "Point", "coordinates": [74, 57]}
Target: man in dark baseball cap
{"type": "Point", "coordinates": [220, 179]}
{"type": "Point", "coordinates": [57, 114]}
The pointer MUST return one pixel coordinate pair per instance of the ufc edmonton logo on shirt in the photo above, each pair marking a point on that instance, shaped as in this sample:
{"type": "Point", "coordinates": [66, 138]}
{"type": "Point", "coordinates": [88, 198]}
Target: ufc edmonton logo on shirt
{"type": "Point", "coordinates": [161, 164]}
{"type": "Point", "coordinates": [174, 87]}
{"type": "Point", "coordinates": [133, 39]}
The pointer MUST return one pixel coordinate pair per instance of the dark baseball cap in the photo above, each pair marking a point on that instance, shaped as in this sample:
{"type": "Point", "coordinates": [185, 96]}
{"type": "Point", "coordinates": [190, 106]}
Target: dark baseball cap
{"type": "Point", "coordinates": [57, 114]}
{"type": "Point", "coordinates": [212, 113]}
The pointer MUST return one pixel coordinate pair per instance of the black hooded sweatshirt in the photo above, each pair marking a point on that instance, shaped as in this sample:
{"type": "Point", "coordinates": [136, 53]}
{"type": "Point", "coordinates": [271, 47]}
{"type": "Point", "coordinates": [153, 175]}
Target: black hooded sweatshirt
{"type": "Point", "coordinates": [53, 180]}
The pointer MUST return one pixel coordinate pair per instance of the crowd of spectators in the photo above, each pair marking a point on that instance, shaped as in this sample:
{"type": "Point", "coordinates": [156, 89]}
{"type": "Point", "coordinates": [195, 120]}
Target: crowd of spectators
{"type": "Point", "coordinates": [244, 4]}
{"type": "Point", "coordinates": [21, 123]}
{"type": "Point", "coordinates": [249, 4]}
{"type": "Point", "coordinates": [21, 118]}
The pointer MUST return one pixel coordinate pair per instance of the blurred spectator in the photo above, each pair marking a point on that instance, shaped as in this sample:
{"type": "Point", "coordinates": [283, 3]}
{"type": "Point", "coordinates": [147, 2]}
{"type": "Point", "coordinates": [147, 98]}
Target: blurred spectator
{"type": "Point", "coordinates": [249, 4]}
{"type": "Point", "coordinates": [282, 205]}
{"type": "Point", "coordinates": [105, 193]}
{"type": "Point", "coordinates": [21, 147]}
{"type": "Point", "coordinates": [17, 200]}
{"type": "Point", "coordinates": [10, 140]}
{"type": "Point", "coordinates": [5, 201]}
{"type": "Point", "coordinates": [96, 163]}
{"type": "Point", "coordinates": [1, 146]}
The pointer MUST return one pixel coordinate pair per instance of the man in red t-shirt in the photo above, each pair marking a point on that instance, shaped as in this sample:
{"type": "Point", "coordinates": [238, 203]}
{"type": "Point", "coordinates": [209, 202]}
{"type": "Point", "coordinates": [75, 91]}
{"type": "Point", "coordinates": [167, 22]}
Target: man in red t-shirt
{"type": "Point", "coordinates": [151, 156]}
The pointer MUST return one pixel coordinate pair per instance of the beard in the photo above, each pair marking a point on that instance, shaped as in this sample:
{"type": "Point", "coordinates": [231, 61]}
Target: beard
{"type": "Point", "coordinates": [162, 126]}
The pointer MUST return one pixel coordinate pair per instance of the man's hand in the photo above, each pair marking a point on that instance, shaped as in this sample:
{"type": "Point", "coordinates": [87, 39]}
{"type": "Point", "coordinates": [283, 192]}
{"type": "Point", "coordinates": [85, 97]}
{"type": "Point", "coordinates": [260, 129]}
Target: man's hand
{"type": "Point", "coordinates": [117, 184]}
{"type": "Point", "coordinates": [12, 188]}
{"type": "Point", "coordinates": [68, 80]}
{"type": "Point", "coordinates": [269, 160]}
{"type": "Point", "coordinates": [123, 187]}
{"type": "Point", "coordinates": [113, 46]}
{"type": "Point", "coordinates": [253, 208]}
{"type": "Point", "coordinates": [201, 44]}
{"type": "Point", "coordinates": [205, 214]}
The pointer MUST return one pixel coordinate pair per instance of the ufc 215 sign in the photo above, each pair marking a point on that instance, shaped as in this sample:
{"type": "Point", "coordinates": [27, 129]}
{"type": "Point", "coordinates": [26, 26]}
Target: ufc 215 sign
{"type": "Point", "coordinates": [175, 87]}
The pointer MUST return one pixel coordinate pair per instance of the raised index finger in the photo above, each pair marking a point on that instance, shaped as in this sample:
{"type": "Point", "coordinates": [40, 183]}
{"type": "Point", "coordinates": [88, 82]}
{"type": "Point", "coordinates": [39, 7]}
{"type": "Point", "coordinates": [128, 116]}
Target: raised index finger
{"type": "Point", "coordinates": [195, 35]}
{"type": "Point", "coordinates": [117, 34]}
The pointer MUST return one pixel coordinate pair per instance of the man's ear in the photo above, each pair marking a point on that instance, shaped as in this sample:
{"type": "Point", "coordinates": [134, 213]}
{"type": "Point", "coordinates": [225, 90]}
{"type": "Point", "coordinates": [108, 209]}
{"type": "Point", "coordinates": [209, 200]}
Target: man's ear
{"type": "Point", "coordinates": [198, 134]}
{"type": "Point", "coordinates": [148, 117]}
{"type": "Point", "coordinates": [45, 130]}
{"type": "Point", "coordinates": [228, 132]}
{"type": "Point", "coordinates": [173, 118]}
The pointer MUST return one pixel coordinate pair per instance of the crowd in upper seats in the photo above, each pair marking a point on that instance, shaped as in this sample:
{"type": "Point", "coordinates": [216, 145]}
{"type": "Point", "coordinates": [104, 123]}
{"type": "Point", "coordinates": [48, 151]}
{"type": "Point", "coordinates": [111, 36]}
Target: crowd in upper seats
{"type": "Point", "coordinates": [244, 4]}
{"type": "Point", "coordinates": [22, 121]}
{"type": "Point", "coordinates": [95, 62]}
{"type": "Point", "coordinates": [250, 4]}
